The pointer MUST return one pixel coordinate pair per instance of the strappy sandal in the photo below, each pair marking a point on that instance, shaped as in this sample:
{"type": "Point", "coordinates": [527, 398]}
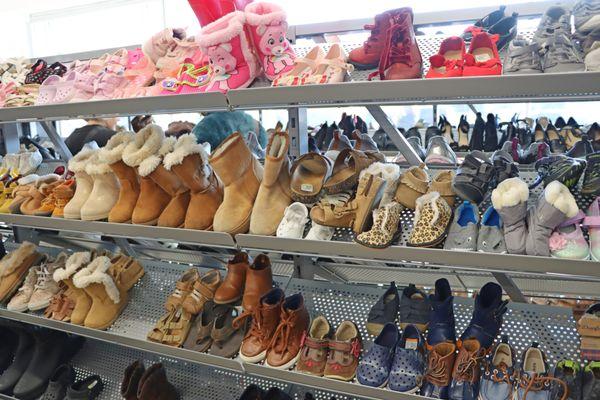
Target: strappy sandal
{"type": "Point", "coordinates": [332, 68]}
{"type": "Point", "coordinates": [308, 175]}
{"type": "Point", "coordinates": [200, 338]}
{"type": "Point", "coordinates": [227, 339]}
{"type": "Point", "coordinates": [303, 67]}
{"type": "Point", "coordinates": [183, 287]}
{"type": "Point", "coordinates": [177, 328]}
{"type": "Point", "coordinates": [346, 170]}
{"type": "Point", "coordinates": [336, 211]}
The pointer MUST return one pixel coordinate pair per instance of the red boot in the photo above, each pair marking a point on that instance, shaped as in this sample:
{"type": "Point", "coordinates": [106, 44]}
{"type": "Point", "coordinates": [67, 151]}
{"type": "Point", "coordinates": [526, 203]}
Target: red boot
{"type": "Point", "coordinates": [367, 56]}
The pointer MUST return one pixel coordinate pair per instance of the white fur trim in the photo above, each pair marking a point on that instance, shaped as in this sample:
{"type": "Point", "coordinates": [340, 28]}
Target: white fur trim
{"type": "Point", "coordinates": [81, 159]}
{"type": "Point", "coordinates": [74, 263]}
{"type": "Point", "coordinates": [26, 180]}
{"type": "Point", "coordinates": [222, 30]}
{"type": "Point", "coordinates": [113, 151]}
{"type": "Point", "coordinates": [185, 146]}
{"type": "Point", "coordinates": [95, 272]}
{"type": "Point", "coordinates": [146, 142]}
{"type": "Point", "coordinates": [151, 163]}
{"type": "Point", "coordinates": [390, 172]}
{"type": "Point", "coordinates": [95, 166]}
{"type": "Point", "coordinates": [432, 198]}
{"type": "Point", "coordinates": [560, 197]}
{"type": "Point", "coordinates": [373, 169]}
{"type": "Point", "coordinates": [510, 192]}
{"type": "Point", "coordinates": [263, 13]}
{"type": "Point", "coordinates": [13, 259]}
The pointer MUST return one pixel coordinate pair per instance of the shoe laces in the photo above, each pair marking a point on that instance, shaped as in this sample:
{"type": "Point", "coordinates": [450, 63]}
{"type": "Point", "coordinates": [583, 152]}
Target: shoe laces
{"type": "Point", "coordinates": [467, 368]}
{"type": "Point", "coordinates": [500, 374]}
{"type": "Point", "coordinates": [373, 36]}
{"type": "Point", "coordinates": [256, 328]}
{"type": "Point", "coordinates": [43, 277]}
{"type": "Point", "coordinates": [538, 383]}
{"type": "Point", "coordinates": [281, 337]}
{"type": "Point", "coordinates": [436, 370]}
{"type": "Point", "coordinates": [396, 50]}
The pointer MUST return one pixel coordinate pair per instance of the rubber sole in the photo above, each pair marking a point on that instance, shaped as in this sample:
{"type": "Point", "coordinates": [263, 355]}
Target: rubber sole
{"type": "Point", "coordinates": [39, 306]}
{"type": "Point", "coordinates": [340, 378]}
{"type": "Point", "coordinates": [253, 360]}
{"type": "Point", "coordinates": [287, 365]}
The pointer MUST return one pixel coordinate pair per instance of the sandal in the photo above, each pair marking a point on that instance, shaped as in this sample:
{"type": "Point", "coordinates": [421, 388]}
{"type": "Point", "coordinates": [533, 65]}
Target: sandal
{"type": "Point", "coordinates": [346, 170]}
{"type": "Point", "coordinates": [336, 211]}
{"type": "Point", "coordinates": [177, 328]}
{"type": "Point", "coordinates": [200, 338]}
{"type": "Point", "coordinates": [308, 174]}
{"type": "Point", "coordinates": [227, 339]}
{"type": "Point", "coordinates": [303, 68]}
{"type": "Point", "coordinates": [183, 287]}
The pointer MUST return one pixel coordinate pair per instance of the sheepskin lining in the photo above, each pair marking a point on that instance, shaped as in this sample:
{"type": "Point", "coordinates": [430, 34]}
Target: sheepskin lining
{"type": "Point", "coordinates": [81, 159]}
{"type": "Point", "coordinates": [560, 197]}
{"type": "Point", "coordinates": [113, 151]}
{"type": "Point", "coordinates": [264, 14]}
{"type": "Point", "coordinates": [74, 263]}
{"type": "Point", "coordinates": [222, 30]}
{"type": "Point", "coordinates": [185, 146]}
{"type": "Point", "coordinates": [510, 192]}
{"type": "Point", "coordinates": [95, 272]}
{"type": "Point", "coordinates": [13, 259]}
{"type": "Point", "coordinates": [145, 143]}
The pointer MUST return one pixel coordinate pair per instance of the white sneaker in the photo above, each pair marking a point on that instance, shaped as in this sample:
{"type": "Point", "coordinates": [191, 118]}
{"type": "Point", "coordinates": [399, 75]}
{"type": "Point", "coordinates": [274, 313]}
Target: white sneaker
{"type": "Point", "coordinates": [46, 287]}
{"type": "Point", "coordinates": [294, 220]}
{"type": "Point", "coordinates": [20, 300]}
{"type": "Point", "coordinates": [320, 232]}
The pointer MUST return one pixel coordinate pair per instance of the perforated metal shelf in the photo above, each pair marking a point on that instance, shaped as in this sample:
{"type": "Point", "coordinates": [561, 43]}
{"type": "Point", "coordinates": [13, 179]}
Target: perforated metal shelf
{"type": "Point", "coordinates": [553, 328]}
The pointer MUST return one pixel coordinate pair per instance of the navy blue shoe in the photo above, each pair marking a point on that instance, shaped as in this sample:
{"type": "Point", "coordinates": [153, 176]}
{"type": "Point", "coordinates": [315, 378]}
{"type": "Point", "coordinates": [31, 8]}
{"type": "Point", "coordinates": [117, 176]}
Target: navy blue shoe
{"type": "Point", "coordinates": [374, 368]}
{"type": "Point", "coordinates": [441, 319]}
{"type": "Point", "coordinates": [487, 316]}
{"type": "Point", "coordinates": [498, 379]}
{"type": "Point", "coordinates": [408, 367]}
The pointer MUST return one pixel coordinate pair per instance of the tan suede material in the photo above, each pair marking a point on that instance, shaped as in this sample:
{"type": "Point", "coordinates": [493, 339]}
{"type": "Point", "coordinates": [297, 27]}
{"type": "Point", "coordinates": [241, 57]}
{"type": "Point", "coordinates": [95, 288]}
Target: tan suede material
{"type": "Point", "coordinates": [104, 311]}
{"type": "Point", "coordinates": [82, 301]}
{"type": "Point", "coordinates": [128, 194]}
{"type": "Point", "coordinates": [206, 191]}
{"type": "Point", "coordinates": [173, 215]}
{"type": "Point", "coordinates": [442, 183]}
{"type": "Point", "coordinates": [10, 282]}
{"type": "Point", "coordinates": [413, 184]}
{"type": "Point", "coordinates": [274, 194]}
{"type": "Point", "coordinates": [36, 196]}
{"type": "Point", "coordinates": [241, 174]}
{"type": "Point", "coordinates": [150, 204]}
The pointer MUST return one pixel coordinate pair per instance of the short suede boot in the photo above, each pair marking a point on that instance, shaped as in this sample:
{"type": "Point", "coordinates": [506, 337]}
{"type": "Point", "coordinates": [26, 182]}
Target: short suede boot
{"type": "Point", "coordinates": [79, 297]}
{"type": "Point", "coordinates": [510, 200]}
{"type": "Point", "coordinates": [154, 385]}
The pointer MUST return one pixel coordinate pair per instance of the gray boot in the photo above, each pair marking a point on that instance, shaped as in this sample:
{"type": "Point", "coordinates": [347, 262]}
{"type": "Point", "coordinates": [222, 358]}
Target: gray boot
{"type": "Point", "coordinates": [554, 206]}
{"type": "Point", "coordinates": [510, 200]}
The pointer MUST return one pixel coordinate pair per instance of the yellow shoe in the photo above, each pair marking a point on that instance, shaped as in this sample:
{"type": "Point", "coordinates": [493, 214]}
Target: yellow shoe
{"type": "Point", "coordinates": [6, 198]}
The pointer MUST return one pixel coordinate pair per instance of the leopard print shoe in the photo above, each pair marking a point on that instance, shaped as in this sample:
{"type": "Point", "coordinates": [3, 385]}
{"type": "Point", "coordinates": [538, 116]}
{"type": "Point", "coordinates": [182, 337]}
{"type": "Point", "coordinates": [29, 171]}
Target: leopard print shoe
{"type": "Point", "coordinates": [432, 220]}
{"type": "Point", "coordinates": [385, 230]}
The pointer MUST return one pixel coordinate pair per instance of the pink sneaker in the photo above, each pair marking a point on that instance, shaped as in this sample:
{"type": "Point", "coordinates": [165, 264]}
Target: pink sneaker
{"type": "Point", "coordinates": [592, 222]}
{"type": "Point", "coordinates": [233, 64]}
{"type": "Point", "coordinates": [169, 64]}
{"type": "Point", "coordinates": [47, 90]}
{"type": "Point", "coordinates": [160, 43]}
{"type": "Point", "coordinates": [567, 241]}
{"type": "Point", "coordinates": [268, 26]}
{"type": "Point", "coordinates": [190, 79]}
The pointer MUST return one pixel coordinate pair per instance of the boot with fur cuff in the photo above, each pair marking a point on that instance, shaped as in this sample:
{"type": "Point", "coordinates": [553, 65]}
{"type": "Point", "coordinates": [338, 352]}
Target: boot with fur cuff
{"type": "Point", "coordinates": [82, 301]}
{"type": "Point", "coordinates": [241, 174]}
{"type": "Point", "coordinates": [112, 154]}
{"type": "Point", "coordinates": [152, 199]}
{"type": "Point", "coordinates": [554, 206]}
{"type": "Point", "coordinates": [510, 200]}
{"type": "Point", "coordinates": [108, 299]}
{"type": "Point", "coordinates": [274, 194]}
{"type": "Point", "coordinates": [84, 183]}
{"type": "Point", "coordinates": [105, 190]}
{"type": "Point", "coordinates": [390, 173]}
{"type": "Point", "coordinates": [189, 162]}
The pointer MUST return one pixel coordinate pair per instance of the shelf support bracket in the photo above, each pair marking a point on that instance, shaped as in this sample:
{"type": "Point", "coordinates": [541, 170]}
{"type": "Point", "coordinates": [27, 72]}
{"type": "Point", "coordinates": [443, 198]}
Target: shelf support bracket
{"type": "Point", "coordinates": [10, 134]}
{"type": "Point", "coordinates": [57, 141]}
{"type": "Point", "coordinates": [399, 140]}
{"type": "Point", "coordinates": [510, 287]}
{"type": "Point", "coordinates": [298, 131]}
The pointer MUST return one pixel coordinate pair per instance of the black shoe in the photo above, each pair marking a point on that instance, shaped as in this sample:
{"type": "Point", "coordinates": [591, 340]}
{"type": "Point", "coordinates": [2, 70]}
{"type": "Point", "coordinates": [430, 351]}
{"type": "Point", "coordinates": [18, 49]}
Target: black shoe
{"type": "Point", "coordinates": [253, 392]}
{"type": "Point", "coordinates": [346, 125]}
{"type": "Point", "coordinates": [555, 140]}
{"type": "Point", "coordinates": [276, 394]}
{"type": "Point", "coordinates": [48, 354]}
{"type": "Point", "coordinates": [506, 29]}
{"type": "Point", "coordinates": [594, 135]}
{"type": "Point", "coordinates": [591, 178]}
{"type": "Point", "coordinates": [564, 169]}
{"type": "Point", "coordinates": [85, 389]}
{"type": "Point", "coordinates": [414, 308]}
{"type": "Point", "coordinates": [560, 123]}
{"type": "Point", "coordinates": [490, 140]}
{"type": "Point", "coordinates": [474, 177]}
{"type": "Point", "coordinates": [485, 23]}
{"type": "Point", "coordinates": [61, 379]}
{"type": "Point", "coordinates": [312, 145]}
{"type": "Point", "coordinates": [415, 143]}
{"type": "Point", "coordinates": [412, 132]}
{"type": "Point", "coordinates": [8, 344]}
{"type": "Point", "coordinates": [569, 372]}
{"type": "Point", "coordinates": [504, 165]}
{"type": "Point", "coordinates": [320, 137]}
{"type": "Point", "coordinates": [476, 142]}
{"type": "Point", "coordinates": [361, 125]}
{"type": "Point", "coordinates": [328, 136]}
{"type": "Point", "coordinates": [535, 151]}
{"type": "Point", "coordinates": [380, 138]}
{"type": "Point", "coordinates": [463, 134]}
{"type": "Point", "coordinates": [581, 149]}
{"type": "Point", "coordinates": [572, 123]}
{"type": "Point", "coordinates": [446, 131]}
{"type": "Point", "coordinates": [591, 381]}
{"type": "Point", "coordinates": [23, 354]}
{"type": "Point", "coordinates": [384, 311]}
{"type": "Point", "coordinates": [507, 131]}
{"type": "Point", "coordinates": [430, 132]}
{"type": "Point", "coordinates": [539, 135]}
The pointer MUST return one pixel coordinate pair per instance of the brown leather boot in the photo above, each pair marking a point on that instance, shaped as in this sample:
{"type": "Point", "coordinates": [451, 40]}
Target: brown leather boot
{"type": "Point", "coordinates": [440, 364]}
{"type": "Point", "coordinates": [284, 349]}
{"type": "Point", "coordinates": [259, 281]}
{"type": "Point", "coordinates": [468, 363]}
{"type": "Point", "coordinates": [241, 174]}
{"type": "Point", "coordinates": [232, 288]}
{"type": "Point", "coordinates": [174, 213]}
{"type": "Point", "coordinates": [141, 153]}
{"type": "Point", "coordinates": [265, 319]}
{"type": "Point", "coordinates": [131, 380]}
{"type": "Point", "coordinates": [274, 194]}
{"type": "Point", "coordinates": [189, 161]}
{"type": "Point", "coordinates": [112, 154]}
{"type": "Point", "coordinates": [82, 302]}
{"type": "Point", "coordinates": [154, 385]}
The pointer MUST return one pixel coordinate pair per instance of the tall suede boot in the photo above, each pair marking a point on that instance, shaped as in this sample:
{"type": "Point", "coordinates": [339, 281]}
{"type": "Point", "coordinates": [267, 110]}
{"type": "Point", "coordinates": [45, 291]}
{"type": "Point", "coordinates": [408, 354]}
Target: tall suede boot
{"type": "Point", "coordinates": [152, 199]}
{"type": "Point", "coordinates": [274, 194]}
{"type": "Point", "coordinates": [241, 174]}
{"type": "Point", "coordinates": [129, 183]}
{"type": "Point", "coordinates": [82, 301]}
{"type": "Point", "coordinates": [189, 162]}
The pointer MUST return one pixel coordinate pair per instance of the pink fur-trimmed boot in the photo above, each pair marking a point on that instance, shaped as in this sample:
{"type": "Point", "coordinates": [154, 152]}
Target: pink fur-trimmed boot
{"type": "Point", "coordinates": [268, 27]}
{"type": "Point", "coordinates": [231, 58]}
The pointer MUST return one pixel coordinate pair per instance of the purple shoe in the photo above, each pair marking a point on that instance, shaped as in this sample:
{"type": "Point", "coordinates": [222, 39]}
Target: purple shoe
{"type": "Point", "coordinates": [408, 366]}
{"type": "Point", "coordinates": [374, 368]}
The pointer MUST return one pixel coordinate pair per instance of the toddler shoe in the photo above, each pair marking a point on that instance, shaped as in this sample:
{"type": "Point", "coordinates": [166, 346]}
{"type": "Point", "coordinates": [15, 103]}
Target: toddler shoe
{"type": "Point", "coordinates": [160, 43]}
{"type": "Point", "coordinates": [333, 68]}
{"type": "Point", "coordinates": [448, 62]}
{"type": "Point", "coordinates": [592, 223]}
{"type": "Point", "coordinates": [432, 219]}
{"type": "Point", "coordinates": [374, 368]}
{"type": "Point", "coordinates": [319, 232]}
{"type": "Point", "coordinates": [408, 365]}
{"type": "Point", "coordinates": [567, 240]}
{"type": "Point", "coordinates": [46, 287]}
{"type": "Point", "coordinates": [294, 220]}
{"type": "Point", "coordinates": [313, 355]}
{"type": "Point", "coordinates": [482, 58]}
{"type": "Point", "coordinates": [384, 311]}
{"type": "Point", "coordinates": [491, 237]}
{"type": "Point", "coordinates": [498, 379]}
{"type": "Point", "coordinates": [303, 67]}
{"type": "Point", "coordinates": [344, 351]}
{"type": "Point", "coordinates": [19, 302]}
{"type": "Point", "coordinates": [464, 230]}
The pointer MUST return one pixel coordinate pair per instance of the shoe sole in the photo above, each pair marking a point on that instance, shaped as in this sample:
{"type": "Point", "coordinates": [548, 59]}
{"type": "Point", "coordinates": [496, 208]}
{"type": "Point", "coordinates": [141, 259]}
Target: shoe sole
{"type": "Point", "coordinates": [253, 360]}
{"type": "Point", "coordinates": [18, 309]}
{"type": "Point", "coordinates": [38, 306]}
{"type": "Point", "coordinates": [341, 378]}
{"type": "Point", "coordinates": [587, 258]}
{"type": "Point", "coordinates": [363, 67]}
{"type": "Point", "coordinates": [287, 365]}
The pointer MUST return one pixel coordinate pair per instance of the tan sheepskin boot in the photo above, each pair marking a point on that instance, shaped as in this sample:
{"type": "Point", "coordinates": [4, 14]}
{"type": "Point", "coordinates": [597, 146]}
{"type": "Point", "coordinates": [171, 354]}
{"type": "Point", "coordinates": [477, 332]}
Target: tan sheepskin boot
{"type": "Point", "coordinates": [105, 191]}
{"type": "Point", "coordinates": [82, 301]}
{"type": "Point", "coordinates": [241, 174]}
{"type": "Point", "coordinates": [189, 161]}
{"type": "Point", "coordinates": [274, 194]}
{"type": "Point", "coordinates": [152, 199]}
{"type": "Point", "coordinates": [112, 154]}
{"type": "Point", "coordinates": [108, 300]}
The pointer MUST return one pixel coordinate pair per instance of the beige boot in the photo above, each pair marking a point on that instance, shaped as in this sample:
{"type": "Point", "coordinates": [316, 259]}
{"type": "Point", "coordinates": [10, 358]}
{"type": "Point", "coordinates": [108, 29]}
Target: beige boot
{"type": "Point", "coordinates": [14, 267]}
{"type": "Point", "coordinates": [112, 154]}
{"type": "Point", "coordinates": [108, 300]}
{"type": "Point", "coordinates": [152, 199]}
{"type": "Point", "coordinates": [105, 191]}
{"type": "Point", "coordinates": [84, 183]}
{"type": "Point", "coordinates": [82, 301]}
{"type": "Point", "coordinates": [241, 174]}
{"type": "Point", "coordinates": [274, 194]}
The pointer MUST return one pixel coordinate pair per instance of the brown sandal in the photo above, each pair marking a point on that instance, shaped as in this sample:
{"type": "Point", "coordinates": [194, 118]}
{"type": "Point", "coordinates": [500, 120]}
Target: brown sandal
{"type": "Point", "coordinates": [346, 170]}
{"type": "Point", "coordinates": [226, 338]}
{"type": "Point", "coordinates": [308, 175]}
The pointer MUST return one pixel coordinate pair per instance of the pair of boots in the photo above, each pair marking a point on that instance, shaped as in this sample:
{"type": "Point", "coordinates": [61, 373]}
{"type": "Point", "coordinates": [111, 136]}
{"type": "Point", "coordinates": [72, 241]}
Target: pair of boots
{"type": "Point", "coordinates": [242, 43]}
{"type": "Point", "coordinates": [98, 286]}
{"type": "Point", "coordinates": [140, 383]}
{"type": "Point", "coordinates": [527, 231]}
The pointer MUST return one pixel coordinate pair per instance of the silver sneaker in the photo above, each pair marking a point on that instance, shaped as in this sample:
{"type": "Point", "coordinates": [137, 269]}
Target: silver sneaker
{"type": "Point", "coordinates": [561, 55]}
{"type": "Point", "coordinates": [587, 15]}
{"type": "Point", "coordinates": [523, 57]}
{"type": "Point", "coordinates": [555, 19]}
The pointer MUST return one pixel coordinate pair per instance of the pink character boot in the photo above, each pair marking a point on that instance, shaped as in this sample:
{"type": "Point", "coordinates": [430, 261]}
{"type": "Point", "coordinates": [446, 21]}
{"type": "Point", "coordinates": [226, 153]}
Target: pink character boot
{"type": "Point", "coordinates": [232, 61]}
{"type": "Point", "coordinates": [268, 26]}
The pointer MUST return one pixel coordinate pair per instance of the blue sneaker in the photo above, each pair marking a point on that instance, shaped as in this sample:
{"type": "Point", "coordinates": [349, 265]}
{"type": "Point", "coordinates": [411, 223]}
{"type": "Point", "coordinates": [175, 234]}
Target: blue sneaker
{"type": "Point", "coordinates": [441, 342]}
{"type": "Point", "coordinates": [374, 368]}
{"type": "Point", "coordinates": [498, 380]}
{"type": "Point", "coordinates": [408, 367]}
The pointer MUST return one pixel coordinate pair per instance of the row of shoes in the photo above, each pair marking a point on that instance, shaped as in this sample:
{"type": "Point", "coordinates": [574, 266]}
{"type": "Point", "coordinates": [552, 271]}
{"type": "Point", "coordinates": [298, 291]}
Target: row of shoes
{"type": "Point", "coordinates": [85, 288]}
{"type": "Point", "coordinates": [23, 163]}
{"type": "Point", "coordinates": [141, 383]}
{"type": "Point", "coordinates": [34, 365]}
{"type": "Point", "coordinates": [20, 80]}
{"type": "Point", "coordinates": [588, 327]}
